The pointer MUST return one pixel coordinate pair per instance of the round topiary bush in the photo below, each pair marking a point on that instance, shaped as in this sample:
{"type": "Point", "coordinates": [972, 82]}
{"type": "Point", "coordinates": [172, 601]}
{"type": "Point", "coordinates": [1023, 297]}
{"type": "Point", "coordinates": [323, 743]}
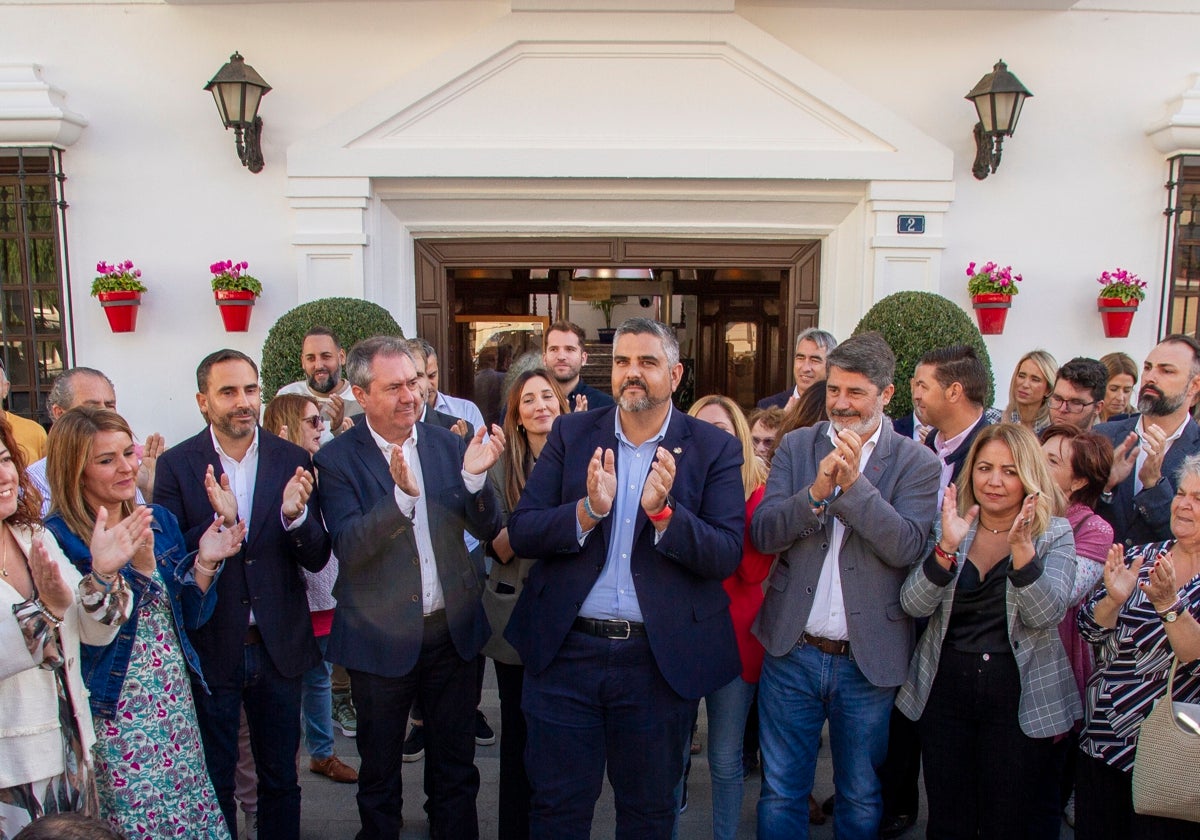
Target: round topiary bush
{"type": "Point", "coordinates": [350, 319]}
{"type": "Point", "coordinates": [914, 323]}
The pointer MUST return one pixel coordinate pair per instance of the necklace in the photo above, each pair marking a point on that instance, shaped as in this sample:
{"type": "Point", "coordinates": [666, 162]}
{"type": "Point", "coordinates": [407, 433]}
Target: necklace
{"type": "Point", "coordinates": [4, 551]}
{"type": "Point", "coordinates": [995, 530]}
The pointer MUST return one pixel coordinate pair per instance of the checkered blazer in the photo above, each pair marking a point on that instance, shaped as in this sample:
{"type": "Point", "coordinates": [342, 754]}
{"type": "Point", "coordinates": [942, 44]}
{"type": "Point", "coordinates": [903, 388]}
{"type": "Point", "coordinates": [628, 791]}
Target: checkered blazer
{"type": "Point", "coordinates": [1050, 701]}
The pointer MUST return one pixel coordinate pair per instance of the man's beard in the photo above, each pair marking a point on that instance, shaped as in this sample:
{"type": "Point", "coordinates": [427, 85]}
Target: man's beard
{"type": "Point", "coordinates": [863, 428]}
{"type": "Point", "coordinates": [643, 403]}
{"type": "Point", "coordinates": [331, 382]}
{"type": "Point", "coordinates": [1160, 405]}
{"type": "Point", "coordinates": [226, 425]}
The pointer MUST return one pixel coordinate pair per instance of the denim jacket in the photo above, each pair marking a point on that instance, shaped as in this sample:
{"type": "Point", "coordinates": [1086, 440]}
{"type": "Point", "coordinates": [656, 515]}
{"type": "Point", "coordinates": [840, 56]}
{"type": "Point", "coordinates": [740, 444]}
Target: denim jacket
{"type": "Point", "coordinates": [104, 667]}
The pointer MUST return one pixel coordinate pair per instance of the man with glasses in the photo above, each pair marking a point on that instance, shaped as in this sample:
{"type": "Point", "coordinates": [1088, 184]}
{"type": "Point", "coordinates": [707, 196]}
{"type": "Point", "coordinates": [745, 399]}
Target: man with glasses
{"type": "Point", "coordinates": [1078, 391]}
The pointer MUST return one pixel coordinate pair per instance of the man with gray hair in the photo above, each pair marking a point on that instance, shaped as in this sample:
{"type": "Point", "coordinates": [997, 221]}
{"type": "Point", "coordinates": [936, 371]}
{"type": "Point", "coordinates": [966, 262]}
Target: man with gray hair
{"type": "Point", "coordinates": [88, 386]}
{"type": "Point", "coordinates": [808, 366]}
{"type": "Point", "coordinates": [848, 508]}
{"type": "Point", "coordinates": [397, 495]}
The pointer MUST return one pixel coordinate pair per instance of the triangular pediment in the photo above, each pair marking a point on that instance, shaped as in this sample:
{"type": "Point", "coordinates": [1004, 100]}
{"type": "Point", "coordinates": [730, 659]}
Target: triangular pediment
{"type": "Point", "coordinates": [677, 95]}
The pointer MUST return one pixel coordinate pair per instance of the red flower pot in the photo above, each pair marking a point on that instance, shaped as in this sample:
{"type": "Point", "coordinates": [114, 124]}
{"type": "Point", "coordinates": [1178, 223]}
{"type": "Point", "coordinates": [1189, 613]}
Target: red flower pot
{"type": "Point", "coordinates": [235, 308]}
{"type": "Point", "coordinates": [990, 310]}
{"type": "Point", "coordinates": [121, 309]}
{"type": "Point", "coordinates": [1117, 316]}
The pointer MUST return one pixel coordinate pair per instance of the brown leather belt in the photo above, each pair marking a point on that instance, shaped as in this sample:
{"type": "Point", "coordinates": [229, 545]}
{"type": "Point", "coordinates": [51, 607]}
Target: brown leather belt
{"type": "Point", "coordinates": [833, 647]}
{"type": "Point", "coordinates": [609, 628]}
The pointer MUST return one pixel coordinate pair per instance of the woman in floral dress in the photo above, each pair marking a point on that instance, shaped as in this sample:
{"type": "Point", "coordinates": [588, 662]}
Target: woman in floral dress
{"type": "Point", "coordinates": [150, 769]}
{"type": "Point", "coordinates": [46, 607]}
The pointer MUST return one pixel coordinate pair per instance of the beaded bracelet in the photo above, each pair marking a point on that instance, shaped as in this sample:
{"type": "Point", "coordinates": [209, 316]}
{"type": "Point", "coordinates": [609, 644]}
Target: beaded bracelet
{"type": "Point", "coordinates": [54, 620]}
{"type": "Point", "coordinates": [591, 514]}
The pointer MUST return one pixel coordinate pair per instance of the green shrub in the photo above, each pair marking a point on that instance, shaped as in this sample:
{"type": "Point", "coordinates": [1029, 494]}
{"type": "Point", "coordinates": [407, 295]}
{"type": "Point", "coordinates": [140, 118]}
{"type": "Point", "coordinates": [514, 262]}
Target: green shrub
{"type": "Point", "coordinates": [914, 323]}
{"type": "Point", "coordinates": [350, 319]}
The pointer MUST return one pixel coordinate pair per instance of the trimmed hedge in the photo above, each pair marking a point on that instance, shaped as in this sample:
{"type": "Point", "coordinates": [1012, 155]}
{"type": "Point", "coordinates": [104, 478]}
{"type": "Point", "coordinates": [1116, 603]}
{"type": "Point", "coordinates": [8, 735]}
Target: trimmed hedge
{"type": "Point", "coordinates": [914, 323]}
{"type": "Point", "coordinates": [350, 319]}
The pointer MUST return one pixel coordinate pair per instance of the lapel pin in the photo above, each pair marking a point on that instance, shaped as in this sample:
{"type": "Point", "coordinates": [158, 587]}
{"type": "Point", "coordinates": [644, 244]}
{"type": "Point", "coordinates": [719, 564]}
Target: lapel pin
{"type": "Point", "coordinates": [677, 451]}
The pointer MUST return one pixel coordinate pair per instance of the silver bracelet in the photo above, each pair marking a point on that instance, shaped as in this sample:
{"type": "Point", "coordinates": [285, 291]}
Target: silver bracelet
{"type": "Point", "coordinates": [591, 514]}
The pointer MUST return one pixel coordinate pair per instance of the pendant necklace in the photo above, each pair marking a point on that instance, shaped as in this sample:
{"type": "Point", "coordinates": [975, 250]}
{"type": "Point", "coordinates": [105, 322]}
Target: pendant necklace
{"type": "Point", "coordinates": [4, 551]}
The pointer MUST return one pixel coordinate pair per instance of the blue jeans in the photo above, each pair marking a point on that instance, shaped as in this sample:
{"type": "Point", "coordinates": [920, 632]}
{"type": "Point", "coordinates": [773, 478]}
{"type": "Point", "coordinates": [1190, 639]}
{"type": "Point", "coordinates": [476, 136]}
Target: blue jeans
{"type": "Point", "coordinates": [316, 701]}
{"type": "Point", "coordinates": [272, 703]}
{"type": "Point", "coordinates": [728, 708]}
{"type": "Point", "coordinates": [603, 701]}
{"type": "Point", "coordinates": [796, 694]}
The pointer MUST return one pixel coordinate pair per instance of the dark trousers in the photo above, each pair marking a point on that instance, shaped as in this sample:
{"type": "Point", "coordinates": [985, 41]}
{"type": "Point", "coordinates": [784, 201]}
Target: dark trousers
{"type": "Point", "coordinates": [445, 684]}
{"type": "Point", "coordinates": [984, 777]}
{"type": "Point", "coordinates": [601, 702]}
{"type": "Point", "coordinates": [901, 769]}
{"type": "Point", "coordinates": [272, 703]}
{"type": "Point", "coordinates": [515, 791]}
{"type": "Point", "coordinates": [1104, 807]}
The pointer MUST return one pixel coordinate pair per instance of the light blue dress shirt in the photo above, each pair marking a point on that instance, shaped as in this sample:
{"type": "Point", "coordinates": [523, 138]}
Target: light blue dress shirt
{"type": "Point", "coordinates": [614, 594]}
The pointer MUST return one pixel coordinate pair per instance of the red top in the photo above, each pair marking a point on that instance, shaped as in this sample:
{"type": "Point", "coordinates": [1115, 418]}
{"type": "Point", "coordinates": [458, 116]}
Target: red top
{"type": "Point", "coordinates": [744, 588]}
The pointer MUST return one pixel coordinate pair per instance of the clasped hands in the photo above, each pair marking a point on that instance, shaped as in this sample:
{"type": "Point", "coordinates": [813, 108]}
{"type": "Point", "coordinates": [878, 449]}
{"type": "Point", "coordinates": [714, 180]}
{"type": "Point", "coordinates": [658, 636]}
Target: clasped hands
{"type": "Point", "coordinates": [1153, 443]}
{"type": "Point", "coordinates": [481, 454]}
{"type": "Point", "coordinates": [840, 467]}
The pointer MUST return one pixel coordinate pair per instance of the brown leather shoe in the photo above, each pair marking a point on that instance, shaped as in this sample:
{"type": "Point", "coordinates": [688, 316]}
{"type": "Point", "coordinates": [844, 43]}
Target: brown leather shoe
{"type": "Point", "coordinates": [334, 768]}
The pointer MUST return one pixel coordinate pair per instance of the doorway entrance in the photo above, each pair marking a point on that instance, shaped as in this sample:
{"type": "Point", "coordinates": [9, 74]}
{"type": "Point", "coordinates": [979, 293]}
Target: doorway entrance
{"type": "Point", "coordinates": [735, 304]}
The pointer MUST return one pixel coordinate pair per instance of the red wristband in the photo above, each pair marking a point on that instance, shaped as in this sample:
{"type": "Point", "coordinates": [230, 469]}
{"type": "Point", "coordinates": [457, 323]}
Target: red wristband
{"type": "Point", "coordinates": [662, 514]}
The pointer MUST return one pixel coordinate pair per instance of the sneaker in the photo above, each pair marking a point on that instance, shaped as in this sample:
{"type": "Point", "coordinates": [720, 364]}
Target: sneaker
{"type": "Point", "coordinates": [344, 716]}
{"type": "Point", "coordinates": [250, 832]}
{"type": "Point", "coordinates": [484, 736]}
{"type": "Point", "coordinates": [414, 744]}
{"type": "Point", "coordinates": [334, 768]}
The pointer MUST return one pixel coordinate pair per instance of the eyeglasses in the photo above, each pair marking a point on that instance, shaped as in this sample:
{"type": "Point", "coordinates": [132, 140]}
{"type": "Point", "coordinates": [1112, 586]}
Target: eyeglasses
{"type": "Point", "coordinates": [1069, 406]}
{"type": "Point", "coordinates": [314, 422]}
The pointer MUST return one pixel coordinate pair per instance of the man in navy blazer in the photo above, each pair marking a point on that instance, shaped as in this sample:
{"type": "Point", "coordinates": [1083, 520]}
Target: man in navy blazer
{"type": "Point", "coordinates": [258, 644]}
{"type": "Point", "coordinates": [636, 514]}
{"type": "Point", "coordinates": [397, 495]}
{"type": "Point", "coordinates": [808, 366]}
{"type": "Point", "coordinates": [1150, 446]}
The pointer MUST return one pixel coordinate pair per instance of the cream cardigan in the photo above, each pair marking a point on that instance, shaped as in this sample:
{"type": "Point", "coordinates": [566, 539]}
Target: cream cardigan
{"type": "Point", "coordinates": [31, 745]}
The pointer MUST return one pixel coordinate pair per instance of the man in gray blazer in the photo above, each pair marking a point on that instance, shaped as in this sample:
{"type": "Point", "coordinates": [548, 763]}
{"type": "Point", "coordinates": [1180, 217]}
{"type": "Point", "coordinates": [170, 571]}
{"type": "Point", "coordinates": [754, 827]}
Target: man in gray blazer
{"type": "Point", "coordinates": [848, 508]}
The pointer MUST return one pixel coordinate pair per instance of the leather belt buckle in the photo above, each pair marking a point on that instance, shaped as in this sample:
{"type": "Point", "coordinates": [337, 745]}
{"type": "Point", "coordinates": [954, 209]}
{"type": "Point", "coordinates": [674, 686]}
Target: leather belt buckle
{"type": "Point", "coordinates": [614, 632]}
{"type": "Point", "coordinates": [832, 647]}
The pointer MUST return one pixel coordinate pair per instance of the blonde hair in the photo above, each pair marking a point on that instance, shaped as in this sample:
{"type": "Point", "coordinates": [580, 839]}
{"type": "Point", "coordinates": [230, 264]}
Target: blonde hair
{"type": "Point", "coordinates": [288, 410]}
{"type": "Point", "coordinates": [1032, 469]}
{"type": "Point", "coordinates": [753, 470]}
{"type": "Point", "coordinates": [68, 451]}
{"type": "Point", "coordinates": [1048, 368]}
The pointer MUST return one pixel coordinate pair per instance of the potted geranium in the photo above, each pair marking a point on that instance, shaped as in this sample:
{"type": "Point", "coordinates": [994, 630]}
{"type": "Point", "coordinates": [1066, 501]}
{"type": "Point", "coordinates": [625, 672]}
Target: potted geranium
{"type": "Point", "coordinates": [234, 292]}
{"type": "Point", "coordinates": [1118, 300]}
{"type": "Point", "coordinates": [119, 290]}
{"type": "Point", "coordinates": [991, 287]}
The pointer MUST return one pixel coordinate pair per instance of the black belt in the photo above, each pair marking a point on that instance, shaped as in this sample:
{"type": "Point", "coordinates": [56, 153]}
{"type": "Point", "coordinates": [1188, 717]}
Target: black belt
{"type": "Point", "coordinates": [609, 628]}
{"type": "Point", "coordinates": [253, 635]}
{"type": "Point", "coordinates": [833, 647]}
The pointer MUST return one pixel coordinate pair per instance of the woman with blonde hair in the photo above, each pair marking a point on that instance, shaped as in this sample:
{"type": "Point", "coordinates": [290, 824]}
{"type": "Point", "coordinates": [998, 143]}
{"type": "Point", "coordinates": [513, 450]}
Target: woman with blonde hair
{"type": "Point", "coordinates": [1029, 390]}
{"type": "Point", "coordinates": [151, 773]}
{"type": "Point", "coordinates": [729, 706]}
{"type": "Point", "coordinates": [990, 685]}
{"type": "Point", "coordinates": [46, 609]}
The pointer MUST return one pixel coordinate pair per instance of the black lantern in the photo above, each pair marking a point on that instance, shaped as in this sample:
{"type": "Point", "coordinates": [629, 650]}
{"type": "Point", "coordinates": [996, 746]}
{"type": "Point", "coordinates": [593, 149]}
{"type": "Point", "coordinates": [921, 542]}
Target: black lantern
{"type": "Point", "coordinates": [238, 89]}
{"type": "Point", "coordinates": [998, 99]}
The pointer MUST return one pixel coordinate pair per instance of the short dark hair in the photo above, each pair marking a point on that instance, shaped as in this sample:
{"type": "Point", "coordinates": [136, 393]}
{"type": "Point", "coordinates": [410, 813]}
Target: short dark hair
{"type": "Point", "coordinates": [568, 326]}
{"type": "Point", "coordinates": [204, 370]}
{"type": "Point", "coordinates": [958, 363]}
{"type": "Point", "coordinates": [1083, 372]}
{"type": "Point", "coordinates": [868, 354]}
{"type": "Point", "coordinates": [1193, 345]}
{"type": "Point", "coordinates": [62, 393]}
{"type": "Point", "coordinates": [363, 353]}
{"type": "Point", "coordinates": [320, 329]}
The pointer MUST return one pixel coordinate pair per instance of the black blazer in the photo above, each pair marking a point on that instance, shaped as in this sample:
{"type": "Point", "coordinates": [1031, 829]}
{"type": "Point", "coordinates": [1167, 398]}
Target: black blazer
{"type": "Point", "coordinates": [265, 574]}
{"type": "Point", "coordinates": [779, 400]}
{"type": "Point", "coordinates": [679, 590]}
{"type": "Point", "coordinates": [1145, 517]}
{"type": "Point", "coordinates": [378, 624]}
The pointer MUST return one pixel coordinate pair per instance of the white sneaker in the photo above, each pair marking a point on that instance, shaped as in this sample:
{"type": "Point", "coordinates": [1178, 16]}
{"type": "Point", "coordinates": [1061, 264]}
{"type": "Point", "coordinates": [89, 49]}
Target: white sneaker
{"type": "Point", "coordinates": [251, 830]}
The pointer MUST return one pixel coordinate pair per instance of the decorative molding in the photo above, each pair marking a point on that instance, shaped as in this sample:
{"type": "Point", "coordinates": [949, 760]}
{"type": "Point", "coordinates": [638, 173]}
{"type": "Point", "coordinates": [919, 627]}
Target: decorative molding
{"type": "Point", "coordinates": [1179, 133]}
{"type": "Point", "coordinates": [32, 111]}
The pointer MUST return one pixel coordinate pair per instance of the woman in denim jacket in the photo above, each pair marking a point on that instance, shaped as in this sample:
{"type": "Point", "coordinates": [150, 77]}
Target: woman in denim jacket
{"type": "Point", "coordinates": [150, 766]}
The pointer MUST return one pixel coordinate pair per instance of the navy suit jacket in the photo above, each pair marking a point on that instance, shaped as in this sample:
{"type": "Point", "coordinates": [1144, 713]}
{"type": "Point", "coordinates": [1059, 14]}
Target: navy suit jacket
{"type": "Point", "coordinates": [958, 456]}
{"type": "Point", "coordinates": [779, 400]}
{"type": "Point", "coordinates": [378, 624]}
{"type": "Point", "coordinates": [678, 580]}
{"type": "Point", "coordinates": [905, 425]}
{"type": "Point", "coordinates": [1145, 517]}
{"type": "Point", "coordinates": [265, 574]}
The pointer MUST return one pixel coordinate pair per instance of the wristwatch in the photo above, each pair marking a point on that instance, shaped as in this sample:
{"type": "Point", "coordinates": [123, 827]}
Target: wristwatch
{"type": "Point", "coordinates": [1171, 613]}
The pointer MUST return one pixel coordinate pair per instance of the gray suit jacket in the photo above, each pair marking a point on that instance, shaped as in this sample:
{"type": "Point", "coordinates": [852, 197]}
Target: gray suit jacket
{"type": "Point", "coordinates": [1049, 696]}
{"type": "Point", "coordinates": [888, 513]}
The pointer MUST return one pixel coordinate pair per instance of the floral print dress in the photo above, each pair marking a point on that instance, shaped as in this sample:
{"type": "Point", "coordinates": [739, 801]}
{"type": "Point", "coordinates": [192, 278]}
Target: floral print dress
{"type": "Point", "coordinates": [150, 769]}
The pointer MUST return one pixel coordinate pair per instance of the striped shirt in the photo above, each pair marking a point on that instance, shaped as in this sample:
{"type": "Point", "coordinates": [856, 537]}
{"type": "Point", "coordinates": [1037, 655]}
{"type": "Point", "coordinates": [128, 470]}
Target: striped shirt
{"type": "Point", "coordinates": [1131, 671]}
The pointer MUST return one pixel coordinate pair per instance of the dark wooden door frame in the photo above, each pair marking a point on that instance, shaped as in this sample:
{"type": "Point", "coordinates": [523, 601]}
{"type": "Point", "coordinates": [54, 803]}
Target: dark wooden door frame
{"type": "Point", "coordinates": [799, 296]}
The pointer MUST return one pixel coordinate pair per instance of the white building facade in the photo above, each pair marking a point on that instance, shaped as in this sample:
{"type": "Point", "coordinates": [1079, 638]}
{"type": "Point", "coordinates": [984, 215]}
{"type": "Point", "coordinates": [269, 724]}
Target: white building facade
{"type": "Point", "coordinates": [399, 129]}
